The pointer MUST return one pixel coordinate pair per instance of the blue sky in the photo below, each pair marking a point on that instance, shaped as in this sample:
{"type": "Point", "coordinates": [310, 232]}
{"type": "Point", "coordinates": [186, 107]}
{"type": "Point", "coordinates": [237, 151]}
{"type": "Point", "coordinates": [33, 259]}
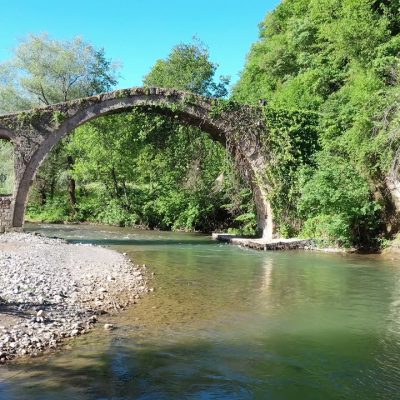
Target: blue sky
{"type": "Point", "coordinates": [138, 32]}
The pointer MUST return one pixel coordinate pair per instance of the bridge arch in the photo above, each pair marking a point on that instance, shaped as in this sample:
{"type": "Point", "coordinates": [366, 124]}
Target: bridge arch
{"type": "Point", "coordinates": [38, 131]}
{"type": "Point", "coordinates": [5, 134]}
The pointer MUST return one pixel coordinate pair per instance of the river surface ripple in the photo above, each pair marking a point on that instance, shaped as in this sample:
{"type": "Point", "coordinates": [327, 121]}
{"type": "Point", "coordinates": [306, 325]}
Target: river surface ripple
{"type": "Point", "coordinates": [229, 323]}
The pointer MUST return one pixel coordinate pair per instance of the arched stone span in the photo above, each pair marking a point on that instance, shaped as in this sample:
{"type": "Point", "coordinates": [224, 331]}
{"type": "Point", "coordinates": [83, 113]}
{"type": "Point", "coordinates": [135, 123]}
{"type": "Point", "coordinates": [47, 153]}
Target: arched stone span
{"type": "Point", "coordinates": [5, 134]}
{"type": "Point", "coordinates": [34, 133]}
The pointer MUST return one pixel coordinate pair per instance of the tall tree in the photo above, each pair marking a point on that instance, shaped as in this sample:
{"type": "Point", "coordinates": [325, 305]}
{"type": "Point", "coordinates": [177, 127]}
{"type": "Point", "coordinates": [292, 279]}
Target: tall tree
{"type": "Point", "coordinates": [341, 59]}
{"type": "Point", "coordinates": [139, 168]}
{"type": "Point", "coordinates": [188, 67]}
{"type": "Point", "coordinates": [44, 71]}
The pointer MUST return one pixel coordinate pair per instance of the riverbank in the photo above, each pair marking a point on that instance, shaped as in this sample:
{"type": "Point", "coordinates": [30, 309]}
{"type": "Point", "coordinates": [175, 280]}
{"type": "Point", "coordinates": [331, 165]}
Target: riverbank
{"type": "Point", "coordinates": [51, 290]}
{"type": "Point", "coordinates": [392, 250]}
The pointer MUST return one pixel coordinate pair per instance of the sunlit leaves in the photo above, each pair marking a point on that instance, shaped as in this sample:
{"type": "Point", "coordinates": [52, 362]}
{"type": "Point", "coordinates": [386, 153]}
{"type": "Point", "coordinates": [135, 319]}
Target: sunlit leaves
{"type": "Point", "coordinates": [341, 59]}
{"type": "Point", "coordinates": [46, 71]}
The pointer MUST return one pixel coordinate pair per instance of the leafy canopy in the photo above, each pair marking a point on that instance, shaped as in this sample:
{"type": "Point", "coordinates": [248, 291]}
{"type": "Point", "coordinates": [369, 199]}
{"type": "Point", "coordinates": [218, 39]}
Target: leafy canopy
{"type": "Point", "coordinates": [188, 68]}
{"type": "Point", "coordinates": [46, 71]}
{"type": "Point", "coordinates": [341, 59]}
{"type": "Point", "coordinates": [139, 168]}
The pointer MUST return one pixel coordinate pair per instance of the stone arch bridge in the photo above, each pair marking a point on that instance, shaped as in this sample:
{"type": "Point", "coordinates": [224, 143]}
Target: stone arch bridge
{"type": "Point", "coordinates": [34, 133]}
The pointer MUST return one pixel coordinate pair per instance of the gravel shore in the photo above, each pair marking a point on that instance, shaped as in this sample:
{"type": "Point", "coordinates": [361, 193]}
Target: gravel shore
{"type": "Point", "coordinates": [51, 290]}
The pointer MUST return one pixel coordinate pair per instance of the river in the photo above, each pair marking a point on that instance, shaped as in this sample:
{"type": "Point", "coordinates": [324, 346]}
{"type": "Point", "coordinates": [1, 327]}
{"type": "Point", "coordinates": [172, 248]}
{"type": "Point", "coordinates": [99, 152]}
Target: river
{"type": "Point", "coordinates": [229, 323]}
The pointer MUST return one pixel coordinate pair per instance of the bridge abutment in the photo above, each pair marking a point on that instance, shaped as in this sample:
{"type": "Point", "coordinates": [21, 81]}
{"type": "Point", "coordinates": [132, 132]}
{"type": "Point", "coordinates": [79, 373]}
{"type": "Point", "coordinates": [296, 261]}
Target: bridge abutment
{"type": "Point", "coordinates": [6, 213]}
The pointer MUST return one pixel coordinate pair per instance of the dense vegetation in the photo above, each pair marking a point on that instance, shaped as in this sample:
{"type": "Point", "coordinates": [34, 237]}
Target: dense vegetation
{"type": "Point", "coordinates": [136, 168]}
{"type": "Point", "coordinates": [143, 170]}
{"type": "Point", "coordinates": [339, 58]}
{"type": "Point", "coordinates": [334, 64]}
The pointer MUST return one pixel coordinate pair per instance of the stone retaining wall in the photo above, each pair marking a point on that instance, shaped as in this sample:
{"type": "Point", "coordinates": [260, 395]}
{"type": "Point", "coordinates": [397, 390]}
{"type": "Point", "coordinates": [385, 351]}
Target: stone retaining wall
{"type": "Point", "coordinates": [263, 244]}
{"type": "Point", "coordinates": [6, 212]}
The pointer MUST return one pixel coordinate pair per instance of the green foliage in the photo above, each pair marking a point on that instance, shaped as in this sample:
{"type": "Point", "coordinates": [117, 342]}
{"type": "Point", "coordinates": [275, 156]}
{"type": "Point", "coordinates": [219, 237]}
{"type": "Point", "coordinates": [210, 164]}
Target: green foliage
{"type": "Point", "coordinates": [329, 71]}
{"type": "Point", "coordinates": [220, 106]}
{"type": "Point", "coordinates": [46, 71]}
{"type": "Point", "coordinates": [307, 48]}
{"type": "Point", "coordinates": [242, 208]}
{"type": "Point", "coordinates": [140, 169]}
{"type": "Point", "coordinates": [58, 117]}
{"type": "Point", "coordinates": [57, 210]}
{"type": "Point", "coordinates": [291, 143]}
{"type": "Point", "coordinates": [330, 230]}
{"type": "Point", "coordinates": [337, 205]}
{"type": "Point", "coordinates": [339, 58]}
{"type": "Point", "coordinates": [153, 173]}
{"type": "Point", "coordinates": [188, 68]}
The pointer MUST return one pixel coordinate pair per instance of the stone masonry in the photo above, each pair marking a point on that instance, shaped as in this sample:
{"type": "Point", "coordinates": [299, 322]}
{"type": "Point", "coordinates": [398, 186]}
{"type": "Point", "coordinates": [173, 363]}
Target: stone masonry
{"type": "Point", "coordinates": [6, 212]}
{"type": "Point", "coordinates": [34, 133]}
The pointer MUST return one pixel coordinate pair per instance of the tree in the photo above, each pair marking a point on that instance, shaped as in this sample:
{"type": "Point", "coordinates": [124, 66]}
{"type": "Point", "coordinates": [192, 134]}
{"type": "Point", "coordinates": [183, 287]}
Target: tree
{"type": "Point", "coordinates": [46, 71]}
{"type": "Point", "coordinates": [142, 169]}
{"type": "Point", "coordinates": [339, 58]}
{"type": "Point", "coordinates": [337, 204]}
{"type": "Point", "coordinates": [188, 68]}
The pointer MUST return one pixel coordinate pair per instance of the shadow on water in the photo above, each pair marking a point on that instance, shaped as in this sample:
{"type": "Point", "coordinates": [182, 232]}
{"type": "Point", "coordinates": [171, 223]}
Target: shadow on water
{"type": "Point", "coordinates": [118, 374]}
{"type": "Point", "coordinates": [114, 236]}
{"type": "Point", "coordinates": [144, 371]}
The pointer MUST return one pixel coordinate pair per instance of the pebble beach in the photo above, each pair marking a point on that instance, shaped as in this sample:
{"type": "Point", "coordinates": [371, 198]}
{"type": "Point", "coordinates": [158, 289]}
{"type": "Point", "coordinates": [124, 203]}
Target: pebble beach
{"type": "Point", "coordinates": [51, 291]}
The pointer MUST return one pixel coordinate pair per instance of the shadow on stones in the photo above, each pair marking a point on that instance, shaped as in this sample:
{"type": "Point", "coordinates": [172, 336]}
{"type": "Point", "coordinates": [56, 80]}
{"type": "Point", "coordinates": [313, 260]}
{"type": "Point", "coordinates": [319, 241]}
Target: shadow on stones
{"type": "Point", "coordinates": [23, 310]}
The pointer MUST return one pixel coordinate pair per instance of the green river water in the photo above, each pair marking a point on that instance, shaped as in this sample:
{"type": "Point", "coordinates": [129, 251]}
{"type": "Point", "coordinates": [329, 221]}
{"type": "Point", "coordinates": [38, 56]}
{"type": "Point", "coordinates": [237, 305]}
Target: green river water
{"type": "Point", "coordinates": [229, 323]}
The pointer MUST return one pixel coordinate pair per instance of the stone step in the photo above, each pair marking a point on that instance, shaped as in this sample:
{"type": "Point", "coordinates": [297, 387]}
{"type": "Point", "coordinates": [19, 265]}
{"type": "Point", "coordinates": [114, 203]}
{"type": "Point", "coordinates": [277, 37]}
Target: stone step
{"type": "Point", "coordinates": [262, 244]}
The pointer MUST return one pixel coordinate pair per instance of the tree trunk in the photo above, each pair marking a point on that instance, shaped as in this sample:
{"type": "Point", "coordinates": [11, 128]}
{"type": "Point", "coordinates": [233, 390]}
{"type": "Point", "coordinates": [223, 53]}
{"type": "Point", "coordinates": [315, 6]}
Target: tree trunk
{"type": "Point", "coordinates": [71, 184]}
{"type": "Point", "coordinates": [117, 190]}
{"type": "Point", "coordinates": [42, 196]}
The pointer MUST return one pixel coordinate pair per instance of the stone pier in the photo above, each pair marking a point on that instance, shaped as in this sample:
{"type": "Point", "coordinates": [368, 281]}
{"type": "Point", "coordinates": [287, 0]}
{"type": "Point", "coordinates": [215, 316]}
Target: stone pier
{"type": "Point", "coordinates": [6, 212]}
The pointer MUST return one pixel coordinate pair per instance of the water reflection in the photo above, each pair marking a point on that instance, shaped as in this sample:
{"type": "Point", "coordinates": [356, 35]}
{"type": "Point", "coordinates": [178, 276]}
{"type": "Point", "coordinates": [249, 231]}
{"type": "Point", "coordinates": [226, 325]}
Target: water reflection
{"type": "Point", "coordinates": [267, 274]}
{"type": "Point", "coordinates": [228, 323]}
{"type": "Point", "coordinates": [386, 374]}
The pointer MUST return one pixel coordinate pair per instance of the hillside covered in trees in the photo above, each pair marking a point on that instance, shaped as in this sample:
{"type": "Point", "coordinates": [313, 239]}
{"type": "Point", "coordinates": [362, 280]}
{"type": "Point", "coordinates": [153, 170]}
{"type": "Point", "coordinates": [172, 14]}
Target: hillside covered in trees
{"type": "Point", "coordinates": [340, 59]}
